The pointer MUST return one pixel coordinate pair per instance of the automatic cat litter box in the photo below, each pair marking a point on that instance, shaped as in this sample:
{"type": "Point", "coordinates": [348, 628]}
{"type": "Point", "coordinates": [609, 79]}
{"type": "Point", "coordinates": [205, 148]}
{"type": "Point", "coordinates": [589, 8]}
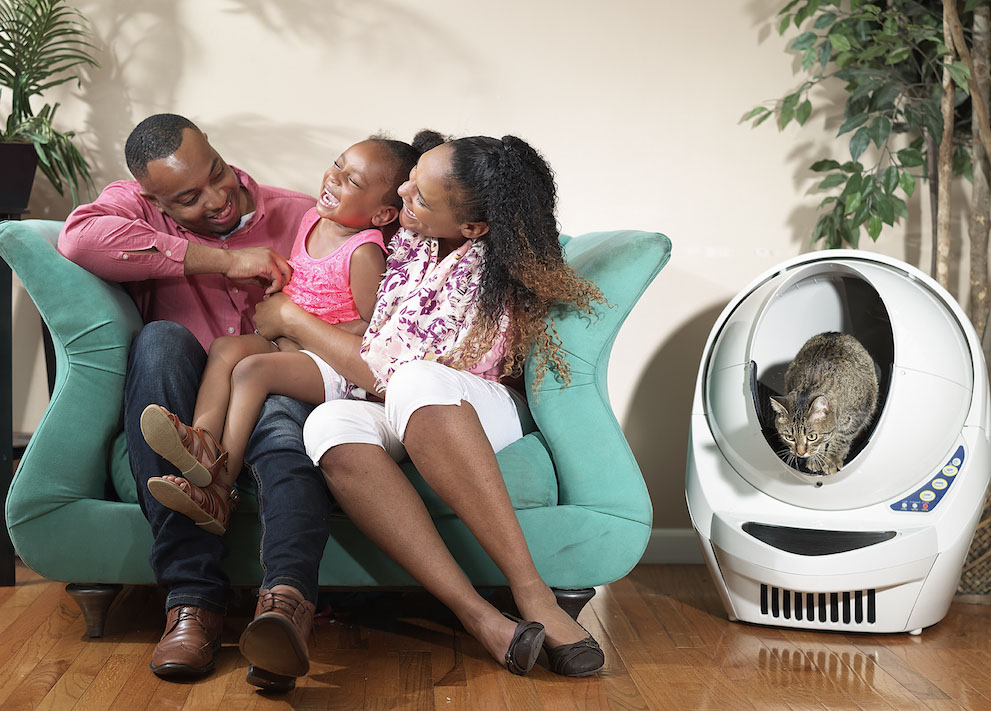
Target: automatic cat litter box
{"type": "Point", "coordinates": [879, 545]}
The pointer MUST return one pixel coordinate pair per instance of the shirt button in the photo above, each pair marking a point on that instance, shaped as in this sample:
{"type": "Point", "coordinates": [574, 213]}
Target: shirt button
{"type": "Point", "coordinates": [230, 329]}
{"type": "Point", "coordinates": [168, 253]}
{"type": "Point", "coordinates": [234, 290]}
{"type": "Point", "coordinates": [223, 246]}
{"type": "Point", "coordinates": [124, 257]}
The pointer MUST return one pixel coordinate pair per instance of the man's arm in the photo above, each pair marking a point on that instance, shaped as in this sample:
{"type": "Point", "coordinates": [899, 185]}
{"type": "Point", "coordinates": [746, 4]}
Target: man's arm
{"type": "Point", "coordinates": [117, 238]}
{"type": "Point", "coordinates": [262, 265]}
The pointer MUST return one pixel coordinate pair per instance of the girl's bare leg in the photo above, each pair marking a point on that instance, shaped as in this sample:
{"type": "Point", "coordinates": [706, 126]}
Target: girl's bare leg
{"type": "Point", "coordinates": [452, 453]}
{"type": "Point", "coordinates": [214, 395]}
{"type": "Point", "coordinates": [253, 379]}
{"type": "Point", "coordinates": [379, 499]}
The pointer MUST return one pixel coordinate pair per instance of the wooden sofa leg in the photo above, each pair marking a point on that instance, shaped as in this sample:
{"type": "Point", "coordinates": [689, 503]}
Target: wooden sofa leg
{"type": "Point", "coordinates": [94, 599]}
{"type": "Point", "coordinates": [572, 601]}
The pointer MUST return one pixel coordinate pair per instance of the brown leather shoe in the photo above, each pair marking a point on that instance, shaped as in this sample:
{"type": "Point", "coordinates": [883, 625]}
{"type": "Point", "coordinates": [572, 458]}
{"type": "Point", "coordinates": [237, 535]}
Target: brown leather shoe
{"type": "Point", "coordinates": [275, 641]}
{"type": "Point", "coordinates": [191, 636]}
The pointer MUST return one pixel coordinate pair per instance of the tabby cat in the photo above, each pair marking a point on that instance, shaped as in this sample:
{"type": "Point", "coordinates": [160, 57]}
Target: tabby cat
{"type": "Point", "coordinates": [832, 394]}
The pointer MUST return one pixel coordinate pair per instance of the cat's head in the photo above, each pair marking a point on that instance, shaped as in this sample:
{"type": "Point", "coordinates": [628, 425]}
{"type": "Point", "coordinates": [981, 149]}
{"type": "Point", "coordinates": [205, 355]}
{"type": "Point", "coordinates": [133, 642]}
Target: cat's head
{"type": "Point", "coordinates": [805, 424]}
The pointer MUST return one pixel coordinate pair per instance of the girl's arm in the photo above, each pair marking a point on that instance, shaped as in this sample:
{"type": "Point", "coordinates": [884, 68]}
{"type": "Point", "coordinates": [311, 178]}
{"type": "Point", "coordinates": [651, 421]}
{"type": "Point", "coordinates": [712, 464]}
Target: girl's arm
{"type": "Point", "coordinates": [367, 268]}
{"type": "Point", "coordinates": [278, 317]}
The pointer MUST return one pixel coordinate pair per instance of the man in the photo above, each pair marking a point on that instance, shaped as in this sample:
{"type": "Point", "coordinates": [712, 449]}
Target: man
{"type": "Point", "coordinates": [197, 244]}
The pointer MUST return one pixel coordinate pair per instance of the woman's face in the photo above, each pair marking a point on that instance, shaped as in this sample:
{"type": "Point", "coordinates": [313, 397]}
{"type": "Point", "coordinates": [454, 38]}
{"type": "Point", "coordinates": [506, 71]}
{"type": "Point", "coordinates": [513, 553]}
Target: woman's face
{"type": "Point", "coordinates": [427, 197]}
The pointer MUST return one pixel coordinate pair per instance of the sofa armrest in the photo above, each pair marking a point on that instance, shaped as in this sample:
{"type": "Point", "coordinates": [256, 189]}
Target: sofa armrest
{"type": "Point", "coordinates": [596, 468]}
{"type": "Point", "coordinates": [92, 323]}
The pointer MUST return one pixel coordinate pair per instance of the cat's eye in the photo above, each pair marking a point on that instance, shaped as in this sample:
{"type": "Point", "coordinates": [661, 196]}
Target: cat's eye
{"type": "Point", "coordinates": [788, 437]}
{"type": "Point", "coordinates": [812, 436]}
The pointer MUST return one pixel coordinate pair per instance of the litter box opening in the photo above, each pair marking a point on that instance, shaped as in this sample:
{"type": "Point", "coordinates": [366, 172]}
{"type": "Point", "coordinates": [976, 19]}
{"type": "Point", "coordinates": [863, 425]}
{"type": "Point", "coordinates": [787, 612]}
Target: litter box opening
{"type": "Point", "coordinates": [837, 300]}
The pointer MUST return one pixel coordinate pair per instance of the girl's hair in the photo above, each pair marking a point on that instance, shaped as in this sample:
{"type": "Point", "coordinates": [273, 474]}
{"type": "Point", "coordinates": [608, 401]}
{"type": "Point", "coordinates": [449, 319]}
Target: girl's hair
{"type": "Point", "coordinates": [507, 184]}
{"type": "Point", "coordinates": [404, 156]}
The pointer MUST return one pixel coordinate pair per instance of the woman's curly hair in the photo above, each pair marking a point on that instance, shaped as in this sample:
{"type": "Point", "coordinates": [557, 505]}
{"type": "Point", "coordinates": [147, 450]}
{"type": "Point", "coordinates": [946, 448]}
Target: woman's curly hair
{"type": "Point", "coordinates": [508, 184]}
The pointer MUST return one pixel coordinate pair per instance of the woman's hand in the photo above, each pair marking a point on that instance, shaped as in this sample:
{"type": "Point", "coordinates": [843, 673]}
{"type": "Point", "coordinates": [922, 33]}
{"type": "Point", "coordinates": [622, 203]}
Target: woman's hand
{"type": "Point", "coordinates": [275, 316]}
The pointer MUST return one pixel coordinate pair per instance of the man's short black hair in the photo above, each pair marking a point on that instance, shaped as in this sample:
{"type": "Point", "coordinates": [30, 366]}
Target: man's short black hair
{"type": "Point", "coordinates": [156, 137]}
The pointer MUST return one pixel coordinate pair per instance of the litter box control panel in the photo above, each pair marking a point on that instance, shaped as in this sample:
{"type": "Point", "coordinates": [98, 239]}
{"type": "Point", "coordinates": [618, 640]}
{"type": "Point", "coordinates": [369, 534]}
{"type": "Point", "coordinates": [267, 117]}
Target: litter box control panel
{"type": "Point", "coordinates": [931, 493]}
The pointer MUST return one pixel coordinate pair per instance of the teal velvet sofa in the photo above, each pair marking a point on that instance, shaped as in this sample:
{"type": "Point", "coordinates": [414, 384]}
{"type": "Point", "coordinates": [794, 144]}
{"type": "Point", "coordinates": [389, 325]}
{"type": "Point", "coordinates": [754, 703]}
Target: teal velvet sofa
{"type": "Point", "coordinates": [576, 487]}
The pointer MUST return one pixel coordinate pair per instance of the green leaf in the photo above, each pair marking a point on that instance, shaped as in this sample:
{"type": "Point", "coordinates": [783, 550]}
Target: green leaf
{"type": "Point", "coordinates": [910, 158]}
{"type": "Point", "coordinates": [762, 119]}
{"type": "Point", "coordinates": [901, 209]}
{"type": "Point", "coordinates": [840, 43]}
{"type": "Point", "coordinates": [825, 54]}
{"type": "Point", "coordinates": [907, 181]}
{"type": "Point", "coordinates": [960, 74]}
{"type": "Point", "coordinates": [858, 144]}
{"type": "Point", "coordinates": [898, 55]}
{"type": "Point", "coordinates": [880, 130]}
{"type": "Point", "coordinates": [804, 41]}
{"type": "Point", "coordinates": [832, 181]}
{"type": "Point", "coordinates": [808, 59]}
{"type": "Point", "coordinates": [852, 123]}
{"type": "Point", "coordinates": [788, 7]}
{"type": "Point", "coordinates": [853, 184]}
{"type": "Point", "coordinates": [853, 202]}
{"type": "Point", "coordinates": [824, 20]}
{"type": "Point", "coordinates": [886, 210]}
{"type": "Point", "coordinates": [890, 179]}
{"type": "Point", "coordinates": [884, 98]}
{"type": "Point", "coordinates": [756, 111]}
{"type": "Point", "coordinates": [803, 112]}
{"type": "Point", "coordinates": [874, 227]}
{"type": "Point", "coordinates": [783, 25]}
{"type": "Point", "coordinates": [852, 167]}
{"type": "Point", "coordinates": [851, 233]}
{"type": "Point", "coordinates": [822, 166]}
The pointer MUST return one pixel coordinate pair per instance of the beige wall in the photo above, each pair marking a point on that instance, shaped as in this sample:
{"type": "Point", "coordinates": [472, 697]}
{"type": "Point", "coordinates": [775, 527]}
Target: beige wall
{"type": "Point", "coordinates": [634, 102]}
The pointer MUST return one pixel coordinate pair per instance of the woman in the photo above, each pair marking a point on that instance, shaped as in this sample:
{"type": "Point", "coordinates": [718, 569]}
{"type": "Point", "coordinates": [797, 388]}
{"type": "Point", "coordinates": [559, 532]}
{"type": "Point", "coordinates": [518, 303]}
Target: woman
{"type": "Point", "coordinates": [469, 284]}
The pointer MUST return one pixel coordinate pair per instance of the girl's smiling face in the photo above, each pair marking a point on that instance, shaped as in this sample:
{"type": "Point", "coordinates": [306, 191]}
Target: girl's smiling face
{"type": "Point", "coordinates": [354, 190]}
{"type": "Point", "coordinates": [427, 200]}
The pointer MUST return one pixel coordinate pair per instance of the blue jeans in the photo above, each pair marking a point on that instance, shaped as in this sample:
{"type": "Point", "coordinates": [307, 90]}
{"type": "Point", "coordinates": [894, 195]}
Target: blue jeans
{"type": "Point", "coordinates": [164, 367]}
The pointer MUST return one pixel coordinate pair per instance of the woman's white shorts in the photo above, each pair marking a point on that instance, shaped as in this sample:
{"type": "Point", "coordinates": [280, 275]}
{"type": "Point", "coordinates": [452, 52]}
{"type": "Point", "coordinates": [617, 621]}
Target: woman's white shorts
{"type": "Point", "coordinates": [502, 412]}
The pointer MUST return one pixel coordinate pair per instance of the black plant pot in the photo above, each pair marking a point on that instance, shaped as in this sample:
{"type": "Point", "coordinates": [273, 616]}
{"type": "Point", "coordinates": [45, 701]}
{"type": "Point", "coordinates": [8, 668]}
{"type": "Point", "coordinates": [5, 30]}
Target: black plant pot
{"type": "Point", "coordinates": [18, 162]}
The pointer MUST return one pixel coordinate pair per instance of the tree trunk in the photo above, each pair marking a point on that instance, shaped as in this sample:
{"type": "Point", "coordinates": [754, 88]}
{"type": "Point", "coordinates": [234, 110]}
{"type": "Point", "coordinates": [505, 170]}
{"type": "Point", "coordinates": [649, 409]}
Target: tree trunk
{"type": "Point", "coordinates": [932, 171]}
{"type": "Point", "coordinates": [980, 208]}
{"type": "Point", "coordinates": [945, 165]}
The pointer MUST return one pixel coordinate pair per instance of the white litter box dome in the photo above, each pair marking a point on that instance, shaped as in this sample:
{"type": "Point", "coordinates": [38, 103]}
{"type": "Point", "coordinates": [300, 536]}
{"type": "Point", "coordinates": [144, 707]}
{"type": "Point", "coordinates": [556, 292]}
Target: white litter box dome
{"type": "Point", "coordinates": [925, 372]}
{"type": "Point", "coordinates": [878, 546]}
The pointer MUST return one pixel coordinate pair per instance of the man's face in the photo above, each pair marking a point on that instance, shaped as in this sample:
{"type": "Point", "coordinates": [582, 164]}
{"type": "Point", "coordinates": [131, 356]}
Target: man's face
{"type": "Point", "coordinates": [196, 188]}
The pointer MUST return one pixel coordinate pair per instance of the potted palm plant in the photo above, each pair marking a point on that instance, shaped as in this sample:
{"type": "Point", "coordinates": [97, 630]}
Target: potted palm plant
{"type": "Point", "coordinates": [40, 41]}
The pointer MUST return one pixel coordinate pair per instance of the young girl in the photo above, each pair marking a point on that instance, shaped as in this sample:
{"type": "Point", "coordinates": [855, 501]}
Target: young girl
{"type": "Point", "coordinates": [337, 261]}
{"type": "Point", "coordinates": [469, 284]}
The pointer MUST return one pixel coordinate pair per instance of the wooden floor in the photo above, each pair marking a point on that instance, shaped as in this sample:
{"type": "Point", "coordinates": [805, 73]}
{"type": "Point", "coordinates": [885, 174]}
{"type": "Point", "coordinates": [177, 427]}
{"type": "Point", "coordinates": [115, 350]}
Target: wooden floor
{"type": "Point", "coordinates": [668, 646]}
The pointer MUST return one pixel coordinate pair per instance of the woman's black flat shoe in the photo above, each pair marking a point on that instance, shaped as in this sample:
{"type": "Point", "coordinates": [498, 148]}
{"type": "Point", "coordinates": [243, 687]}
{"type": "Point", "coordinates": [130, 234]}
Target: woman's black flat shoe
{"type": "Point", "coordinates": [581, 658]}
{"type": "Point", "coordinates": [525, 645]}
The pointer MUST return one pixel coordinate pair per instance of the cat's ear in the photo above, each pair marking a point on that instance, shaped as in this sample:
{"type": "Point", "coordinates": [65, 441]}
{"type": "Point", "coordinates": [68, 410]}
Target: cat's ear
{"type": "Point", "coordinates": [780, 405]}
{"type": "Point", "coordinates": [819, 407]}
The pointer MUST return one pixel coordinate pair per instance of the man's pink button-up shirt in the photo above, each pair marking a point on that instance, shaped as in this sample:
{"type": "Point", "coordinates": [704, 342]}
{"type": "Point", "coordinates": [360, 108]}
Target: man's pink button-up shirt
{"type": "Point", "coordinates": [107, 237]}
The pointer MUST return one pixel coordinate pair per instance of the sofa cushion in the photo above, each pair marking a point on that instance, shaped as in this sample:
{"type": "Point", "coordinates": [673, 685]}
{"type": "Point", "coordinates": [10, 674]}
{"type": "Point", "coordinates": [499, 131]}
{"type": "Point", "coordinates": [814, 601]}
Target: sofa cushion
{"type": "Point", "coordinates": [526, 467]}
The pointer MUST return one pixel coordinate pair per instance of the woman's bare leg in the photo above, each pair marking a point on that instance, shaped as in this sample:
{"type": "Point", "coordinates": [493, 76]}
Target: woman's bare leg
{"type": "Point", "coordinates": [253, 379]}
{"type": "Point", "coordinates": [379, 499]}
{"type": "Point", "coordinates": [214, 395]}
{"type": "Point", "coordinates": [453, 455]}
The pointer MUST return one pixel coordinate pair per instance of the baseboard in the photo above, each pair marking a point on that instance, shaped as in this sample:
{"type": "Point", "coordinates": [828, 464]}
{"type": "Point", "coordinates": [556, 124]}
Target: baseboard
{"type": "Point", "coordinates": [672, 545]}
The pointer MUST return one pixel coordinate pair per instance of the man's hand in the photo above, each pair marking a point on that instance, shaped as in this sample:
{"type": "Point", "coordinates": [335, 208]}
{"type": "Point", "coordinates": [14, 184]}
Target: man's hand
{"type": "Point", "coordinates": [259, 265]}
{"type": "Point", "coordinates": [262, 266]}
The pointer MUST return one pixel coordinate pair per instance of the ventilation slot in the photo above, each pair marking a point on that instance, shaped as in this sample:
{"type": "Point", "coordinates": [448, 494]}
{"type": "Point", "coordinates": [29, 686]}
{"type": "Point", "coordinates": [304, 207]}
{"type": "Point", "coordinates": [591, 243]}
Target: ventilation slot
{"type": "Point", "coordinates": [856, 607]}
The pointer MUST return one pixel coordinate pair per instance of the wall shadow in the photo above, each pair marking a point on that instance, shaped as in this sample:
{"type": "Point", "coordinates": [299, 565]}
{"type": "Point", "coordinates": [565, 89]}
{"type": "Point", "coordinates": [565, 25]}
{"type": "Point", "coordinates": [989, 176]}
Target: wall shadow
{"type": "Point", "coordinates": [659, 415]}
